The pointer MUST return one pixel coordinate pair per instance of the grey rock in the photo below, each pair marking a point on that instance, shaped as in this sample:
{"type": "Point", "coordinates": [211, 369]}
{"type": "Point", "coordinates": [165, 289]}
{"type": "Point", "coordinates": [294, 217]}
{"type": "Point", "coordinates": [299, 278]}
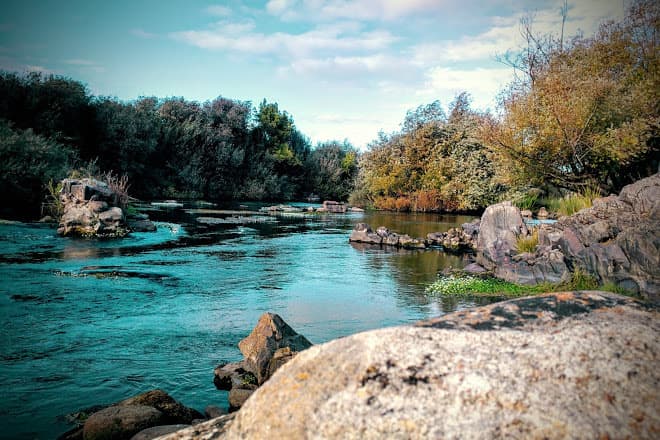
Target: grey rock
{"type": "Point", "coordinates": [213, 411]}
{"type": "Point", "coordinates": [157, 431]}
{"type": "Point", "coordinates": [208, 430]}
{"type": "Point", "coordinates": [141, 225]}
{"type": "Point", "coordinates": [561, 365]}
{"type": "Point", "coordinates": [362, 233]}
{"type": "Point", "coordinates": [237, 397]}
{"type": "Point", "coordinates": [270, 334]}
{"type": "Point", "coordinates": [233, 375]}
{"type": "Point", "coordinates": [500, 226]}
{"type": "Point", "coordinates": [173, 412]}
{"type": "Point", "coordinates": [120, 422]}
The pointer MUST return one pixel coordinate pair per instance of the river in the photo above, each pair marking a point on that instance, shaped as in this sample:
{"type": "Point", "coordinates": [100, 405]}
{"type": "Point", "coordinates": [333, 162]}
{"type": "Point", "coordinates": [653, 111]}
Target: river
{"type": "Point", "coordinates": [87, 322]}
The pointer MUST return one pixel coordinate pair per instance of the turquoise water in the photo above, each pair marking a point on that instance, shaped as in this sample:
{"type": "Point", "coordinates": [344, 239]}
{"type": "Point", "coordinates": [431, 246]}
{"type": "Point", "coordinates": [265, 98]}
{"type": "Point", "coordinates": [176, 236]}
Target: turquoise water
{"type": "Point", "coordinates": [87, 322]}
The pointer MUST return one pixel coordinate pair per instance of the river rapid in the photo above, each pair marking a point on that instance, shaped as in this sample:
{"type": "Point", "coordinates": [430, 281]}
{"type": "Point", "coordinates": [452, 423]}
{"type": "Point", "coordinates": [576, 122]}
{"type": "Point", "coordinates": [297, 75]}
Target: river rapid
{"type": "Point", "coordinates": [88, 322]}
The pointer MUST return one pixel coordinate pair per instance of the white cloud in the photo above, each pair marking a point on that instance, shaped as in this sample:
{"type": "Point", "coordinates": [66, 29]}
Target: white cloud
{"type": "Point", "coordinates": [219, 10]}
{"type": "Point", "coordinates": [85, 64]}
{"type": "Point", "coordinates": [239, 37]}
{"type": "Point", "coordinates": [325, 10]}
{"type": "Point", "coordinates": [483, 84]}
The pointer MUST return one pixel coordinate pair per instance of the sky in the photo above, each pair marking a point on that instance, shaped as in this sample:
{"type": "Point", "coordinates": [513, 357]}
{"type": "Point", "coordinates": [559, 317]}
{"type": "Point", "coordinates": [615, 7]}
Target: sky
{"type": "Point", "coordinates": [342, 69]}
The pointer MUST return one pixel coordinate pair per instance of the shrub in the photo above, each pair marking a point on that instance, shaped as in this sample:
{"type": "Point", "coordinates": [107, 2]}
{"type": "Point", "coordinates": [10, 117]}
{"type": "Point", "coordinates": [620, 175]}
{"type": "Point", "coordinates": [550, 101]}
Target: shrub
{"type": "Point", "coordinates": [427, 200]}
{"type": "Point", "coordinates": [574, 202]}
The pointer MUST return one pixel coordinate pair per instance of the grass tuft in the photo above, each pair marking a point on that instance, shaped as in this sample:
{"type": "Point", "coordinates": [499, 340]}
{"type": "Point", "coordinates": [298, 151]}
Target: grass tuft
{"type": "Point", "coordinates": [528, 243]}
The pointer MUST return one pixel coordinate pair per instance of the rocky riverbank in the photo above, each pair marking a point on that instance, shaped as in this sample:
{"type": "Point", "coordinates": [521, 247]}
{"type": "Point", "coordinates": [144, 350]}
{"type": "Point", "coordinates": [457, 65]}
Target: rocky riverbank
{"type": "Point", "coordinates": [562, 365]}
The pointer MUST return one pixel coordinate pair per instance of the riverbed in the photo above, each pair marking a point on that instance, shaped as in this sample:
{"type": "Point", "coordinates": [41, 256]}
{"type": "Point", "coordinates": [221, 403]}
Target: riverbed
{"type": "Point", "coordinates": [88, 322]}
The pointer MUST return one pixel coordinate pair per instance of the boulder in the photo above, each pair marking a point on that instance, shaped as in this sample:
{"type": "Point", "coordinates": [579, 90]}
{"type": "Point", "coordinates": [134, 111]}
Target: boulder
{"type": "Point", "coordinates": [208, 430]}
{"type": "Point", "coordinates": [157, 431]}
{"type": "Point", "coordinates": [362, 233]}
{"type": "Point", "coordinates": [212, 411]}
{"type": "Point", "coordinates": [270, 334]}
{"type": "Point", "coordinates": [237, 397]}
{"type": "Point", "coordinates": [500, 226]}
{"type": "Point", "coordinates": [233, 375]}
{"type": "Point", "coordinates": [172, 411]}
{"type": "Point", "coordinates": [617, 240]}
{"type": "Point", "coordinates": [141, 226]}
{"type": "Point", "coordinates": [120, 422]}
{"type": "Point", "coordinates": [571, 364]}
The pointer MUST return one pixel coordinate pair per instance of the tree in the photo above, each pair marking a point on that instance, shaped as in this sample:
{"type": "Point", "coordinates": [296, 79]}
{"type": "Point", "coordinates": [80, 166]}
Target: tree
{"type": "Point", "coordinates": [584, 112]}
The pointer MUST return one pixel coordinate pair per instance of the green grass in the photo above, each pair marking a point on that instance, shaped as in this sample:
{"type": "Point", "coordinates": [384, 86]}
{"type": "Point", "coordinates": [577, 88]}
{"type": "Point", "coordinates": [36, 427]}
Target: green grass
{"type": "Point", "coordinates": [572, 203]}
{"type": "Point", "coordinates": [528, 243]}
{"type": "Point", "coordinates": [470, 286]}
{"type": "Point", "coordinates": [526, 201]}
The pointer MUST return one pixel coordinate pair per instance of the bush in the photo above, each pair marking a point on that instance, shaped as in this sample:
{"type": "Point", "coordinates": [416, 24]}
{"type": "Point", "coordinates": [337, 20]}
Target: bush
{"type": "Point", "coordinates": [574, 202]}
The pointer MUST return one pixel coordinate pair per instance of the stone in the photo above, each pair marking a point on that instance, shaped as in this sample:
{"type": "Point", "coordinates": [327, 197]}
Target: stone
{"type": "Point", "coordinates": [173, 412]}
{"type": "Point", "coordinates": [213, 411]}
{"type": "Point", "coordinates": [332, 206]}
{"type": "Point", "coordinates": [237, 397]}
{"type": "Point", "coordinates": [474, 268]}
{"type": "Point", "coordinates": [407, 242]}
{"type": "Point", "coordinates": [616, 241]}
{"type": "Point", "coordinates": [362, 233]}
{"type": "Point", "coordinates": [500, 226]}
{"type": "Point", "coordinates": [526, 213]}
{"type": "Point", "coordinates": [208, 430]}
{"type": "Point", "coordinates": [157, 431]}
{"type": "Point", "coordinates": [141, 225]}
{"type": "Point", "coordinates": [570, 364]}
{"type": "Point", "coordinates": [233, 375]}
{"type": "Point", "coordinates": [542, 213]}
{"type": "Point", "coordinates": [120, 422]}
{"type": "Point", "coordinates": [270, 334]}
{"type": "Point", "coordinates": [356, 209]}
{"type": "Point", "coordinates": [97, 206]}
{"type": "Point", "coordinates": [112, 215]}
{"type": "Point", "coordinates": [382, 231]}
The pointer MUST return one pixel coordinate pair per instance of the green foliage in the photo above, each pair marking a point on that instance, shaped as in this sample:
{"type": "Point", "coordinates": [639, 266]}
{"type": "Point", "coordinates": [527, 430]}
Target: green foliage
{"type": "Point", "coordinates": [55, 206]}
{"type": "Point", "coordinates": [573, 202]}
{"type": "Point", "coordinates": [583, 111]}
{"type": "Point", "coordinates": [528, 243]}
{"type": "Point", "coordinates": [526, 201]}
{"type": "Point", "coordinates": [433, 164]}
{"type": "Point", "coordinates": [581, 280]}
{"type": "Point", "coordinates": [476, 286]}
{"type": "Point", "coordinates": [27, 163]}
{"type": "Point", "coordinates": [332, 169]}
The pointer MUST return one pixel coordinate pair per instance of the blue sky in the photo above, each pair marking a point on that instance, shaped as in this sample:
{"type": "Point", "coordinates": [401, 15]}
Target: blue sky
{"type": "Point", "coordinates": [342, 69]}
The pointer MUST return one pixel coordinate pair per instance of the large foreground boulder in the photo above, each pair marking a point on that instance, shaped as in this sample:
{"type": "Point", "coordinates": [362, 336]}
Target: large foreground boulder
{"type": "Point", "coordinates": [563, 365]}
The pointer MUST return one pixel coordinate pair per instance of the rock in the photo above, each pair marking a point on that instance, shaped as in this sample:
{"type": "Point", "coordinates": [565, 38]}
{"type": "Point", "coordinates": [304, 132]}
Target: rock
{"type": "Point", "coordinates": [173, 411]}
{"type": "Point", "coordinates": [382, 231]}
{"type": "Point", "coordinates": [356, 209]}
{"type": "Point", "coordinates": [458, 240]}
{"type": "Point", "coordinates": [572, 364]}
{"type": "Point", "coordinates": [233, 375]}
{"type": "Point", "coordinates": [213, 411]}
{"type": "Point", "coordinates": [526, 213]}
{"type": "Point", "coordinates": [407, 242]}
{"type": "Point", "coordinates": [332, 206]}
{"type": "Point", "coordinates": [474, 268]}
{"type": "Point", "coordinates": [90, 209]}
{"type": "Point", "coordinates": [362, 233]}
{"type": "Point", "coordinates": [617, 240]}
{"type": "Point", "coordinates": [208, 430]}
{"type": "Point", "coordinates": [542, 213]}
{"type": "Point", "coordinates": [500, 226]}
{"type": "Point", "coordinates": [157, 431]}
{"type": "Point", "coordinates": [141, 225]}
{"type": "Point", "coordinates": [270, 334]}
{"type": "Point", "coordinates": [237, 397]}
{"type": "Point", "coordinates": [120, 422]}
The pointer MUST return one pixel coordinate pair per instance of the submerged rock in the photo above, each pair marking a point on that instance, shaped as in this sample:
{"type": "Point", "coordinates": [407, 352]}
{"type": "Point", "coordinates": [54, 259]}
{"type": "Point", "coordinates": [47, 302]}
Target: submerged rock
{"type": "Point", "coordinates": [573, 364]}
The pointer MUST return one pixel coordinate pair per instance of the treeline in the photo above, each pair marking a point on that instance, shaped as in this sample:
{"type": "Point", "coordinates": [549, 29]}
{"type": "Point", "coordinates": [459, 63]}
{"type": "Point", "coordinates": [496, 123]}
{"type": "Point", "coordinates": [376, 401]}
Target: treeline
{"type": "Point", "coordinates": [581, 114]}
{"type": "Point", "coordinates": [169, 148]}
